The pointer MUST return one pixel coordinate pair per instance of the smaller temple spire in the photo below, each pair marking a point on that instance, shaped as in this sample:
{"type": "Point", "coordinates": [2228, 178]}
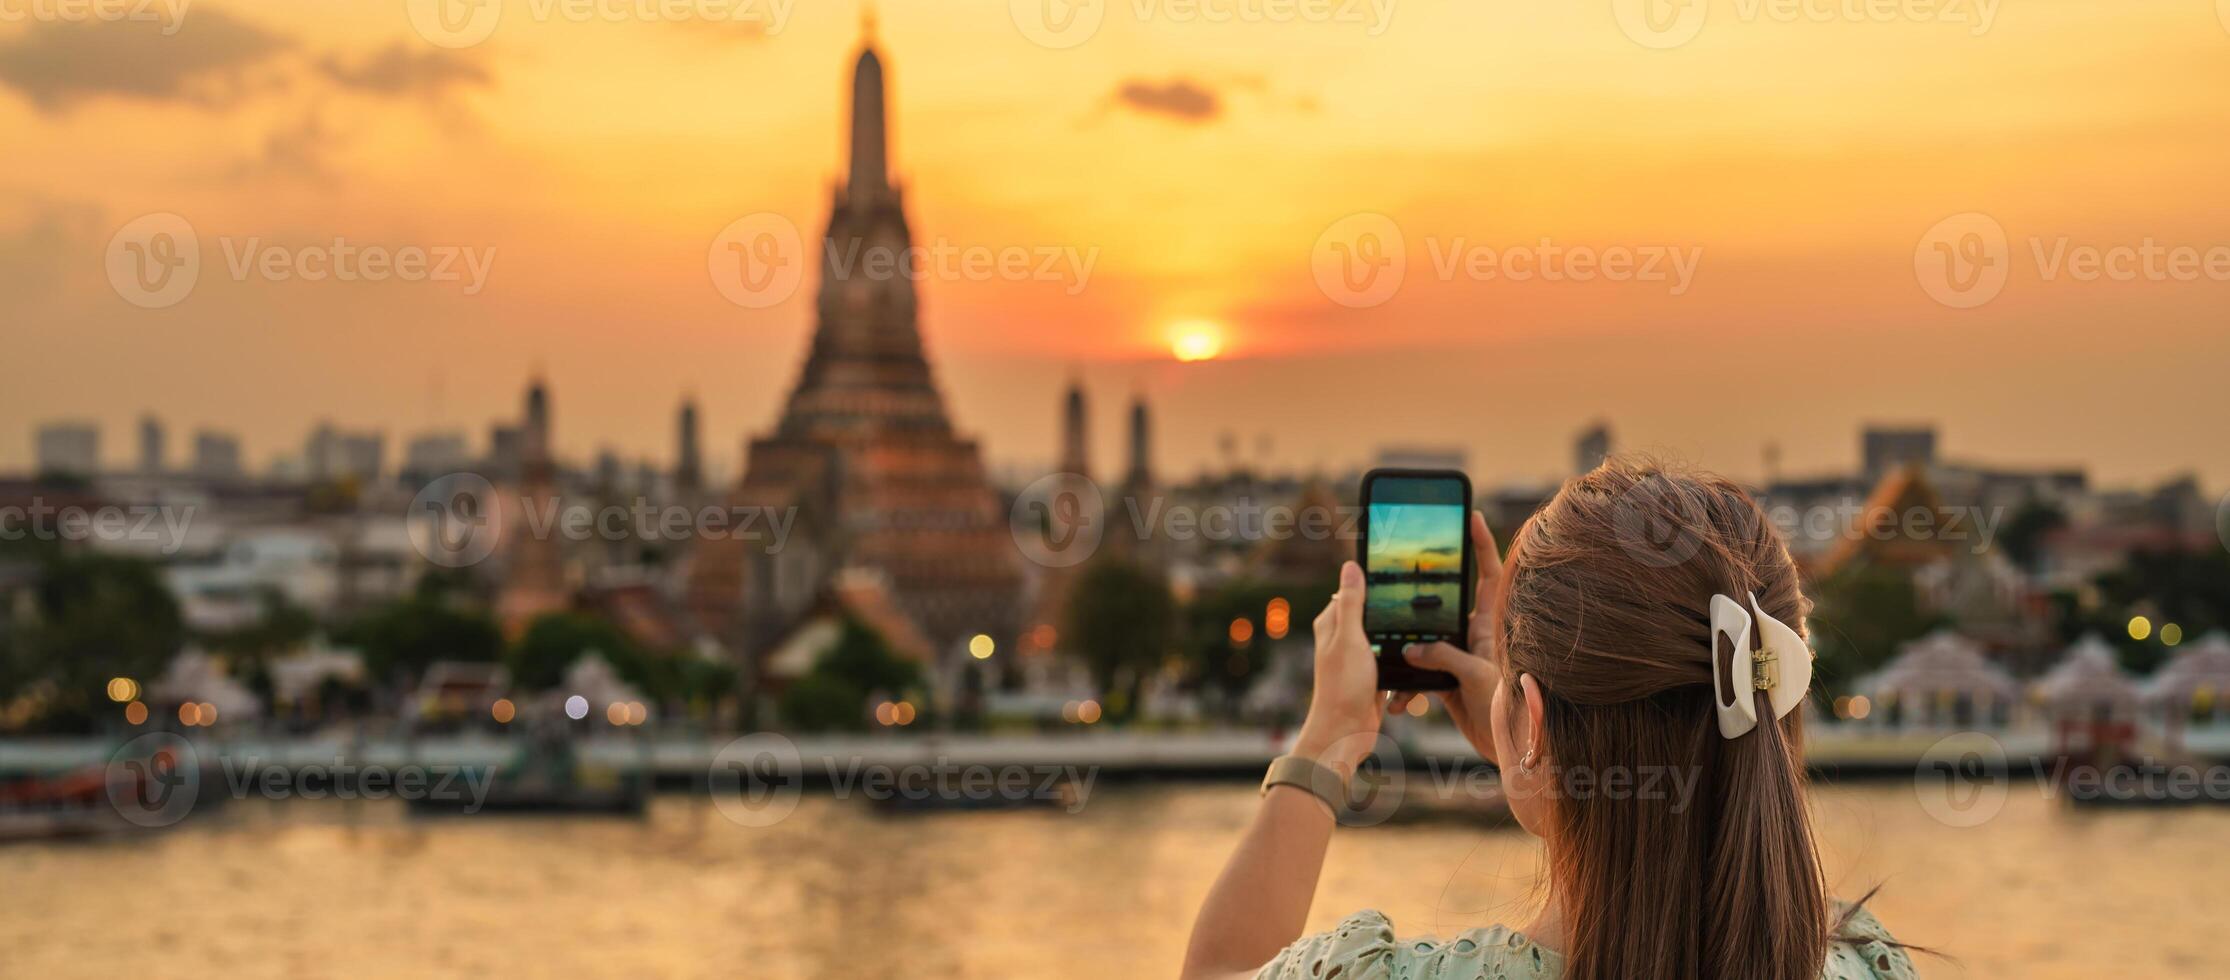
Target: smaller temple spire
{"type": "Point", "coordinates": [870, 170]}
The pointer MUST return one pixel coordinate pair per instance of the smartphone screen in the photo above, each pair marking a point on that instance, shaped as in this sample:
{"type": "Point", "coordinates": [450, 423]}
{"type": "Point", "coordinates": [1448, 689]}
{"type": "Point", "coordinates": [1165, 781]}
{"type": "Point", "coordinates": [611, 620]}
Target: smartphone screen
{"type": "Point", "coordinates": [1416, 558]}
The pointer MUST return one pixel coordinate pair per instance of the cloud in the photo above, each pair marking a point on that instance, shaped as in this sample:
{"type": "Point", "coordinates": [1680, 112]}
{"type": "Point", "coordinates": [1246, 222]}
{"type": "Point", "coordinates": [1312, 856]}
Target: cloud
{"type": "Point", "coordinates": [57, 64]}
{"type": "Point", "coordinates": [401, 71]}
{"type": "Point", "coordinates": [300, 150]}
{"type": "Point", "coordinates": [1179, 98]}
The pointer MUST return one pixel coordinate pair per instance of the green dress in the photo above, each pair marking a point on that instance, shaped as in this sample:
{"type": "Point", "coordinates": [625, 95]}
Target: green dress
{"type": "Point", "coordinates": [1363, 947]}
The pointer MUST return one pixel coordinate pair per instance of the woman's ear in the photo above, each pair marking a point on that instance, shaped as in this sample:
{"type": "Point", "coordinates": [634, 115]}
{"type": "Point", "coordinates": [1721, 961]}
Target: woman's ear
{"type": "Point", "coordinates": [1534, 744]}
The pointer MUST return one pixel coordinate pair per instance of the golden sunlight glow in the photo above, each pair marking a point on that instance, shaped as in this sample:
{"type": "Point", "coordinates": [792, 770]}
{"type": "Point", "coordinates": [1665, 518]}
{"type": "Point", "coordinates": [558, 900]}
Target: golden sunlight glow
{"type": "Point", "coordinates": [1195, 340]}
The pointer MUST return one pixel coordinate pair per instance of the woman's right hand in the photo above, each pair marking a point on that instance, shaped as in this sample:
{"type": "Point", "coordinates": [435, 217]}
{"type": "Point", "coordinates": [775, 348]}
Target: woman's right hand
{"type": "Point", "coordinates": [1470, 705]}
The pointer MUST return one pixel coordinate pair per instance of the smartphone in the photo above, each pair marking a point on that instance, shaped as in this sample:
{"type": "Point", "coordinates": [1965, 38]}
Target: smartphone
{"type": "Point", "coordinates": [1417, 567]}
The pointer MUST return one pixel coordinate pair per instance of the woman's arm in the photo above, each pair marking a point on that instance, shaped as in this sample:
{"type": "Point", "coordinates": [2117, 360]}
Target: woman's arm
{"type": "Point", "coordinates": [1261, 900]}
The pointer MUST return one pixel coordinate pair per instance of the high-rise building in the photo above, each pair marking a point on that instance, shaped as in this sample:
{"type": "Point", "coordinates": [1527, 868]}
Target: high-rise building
{"type": "Point", "coordinates": [1885, 448]}
{"type": "Point", "coordinates": [1075, 456]}
{"type": "Point", "coordinates": [1140, 477]}
{"type": "Point", "coordinates": [216, 455]}
{"type": "Point", "coordinates": [150, 445]}
{"type": "Point", "coordinates": [72, 448]}
{"type": "Point", "coordinates": [689, 461]}
{"type": "Point", "coordinates": [334, 454]}
{"type": "Point", "coordinates": [864, 447]}
{"type": "Point", "coordinates": [1591, 448]}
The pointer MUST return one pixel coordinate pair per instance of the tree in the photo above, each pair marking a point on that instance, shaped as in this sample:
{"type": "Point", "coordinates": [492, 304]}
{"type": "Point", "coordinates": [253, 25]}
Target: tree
{"type": "Point", "coordinates": [553, 641]}
{"type": "Point", "coordinates": [833, 696]}
{"type": "Point", "coordinates": [94, 617]}
{"type": "Point", "coordinates": [1862, 614]}
{"type": "Point", "coordinates": [280, 627]}
{"type": "Point", "coordinates": [1216, 661]}
{"type": "Point", "coordinates": [399, 640]}
{"type": "Point", "coordinates": [1121, 621]}
{"type": "Point", "coordinates": [2023, 537]}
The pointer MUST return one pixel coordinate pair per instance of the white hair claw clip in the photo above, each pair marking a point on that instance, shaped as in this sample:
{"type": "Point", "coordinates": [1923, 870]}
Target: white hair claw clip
{"type": "Point", "coordinates": [1778, 661]}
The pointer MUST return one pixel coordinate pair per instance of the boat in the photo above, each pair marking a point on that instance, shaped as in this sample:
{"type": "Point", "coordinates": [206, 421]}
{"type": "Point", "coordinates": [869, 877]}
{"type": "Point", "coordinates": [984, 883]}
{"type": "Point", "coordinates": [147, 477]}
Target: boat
{"type": "Point", "coordinates": [1426, 601]}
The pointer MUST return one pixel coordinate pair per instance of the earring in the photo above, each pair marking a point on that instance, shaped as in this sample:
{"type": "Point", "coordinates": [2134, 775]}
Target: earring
{"type": "Point", "coordinates": [1531, 759]}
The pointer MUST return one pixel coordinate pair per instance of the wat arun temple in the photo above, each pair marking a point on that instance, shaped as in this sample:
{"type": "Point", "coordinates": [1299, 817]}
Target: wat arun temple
{"type": "Point", "coordinates": [897, 522]}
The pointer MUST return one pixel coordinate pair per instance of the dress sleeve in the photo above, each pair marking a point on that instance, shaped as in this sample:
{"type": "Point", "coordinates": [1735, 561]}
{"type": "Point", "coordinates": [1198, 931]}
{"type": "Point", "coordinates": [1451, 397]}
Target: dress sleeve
{"type": "Point", "coordinates": [1865, 951]}
{"type": "Point", "coordinates": [1361, 947]}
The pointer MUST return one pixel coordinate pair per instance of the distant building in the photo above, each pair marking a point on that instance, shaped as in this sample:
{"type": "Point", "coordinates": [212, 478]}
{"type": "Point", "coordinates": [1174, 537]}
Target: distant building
{"type": "Point", "coordinates": [689, 461]}
{"type": "Point", "coordinates": [865, 451]}
{"type": "Point", "coordinates": [1422, 458]}
{"type": "Point", "coordinates": [69, 447]}
{"type": "Point", "coordinates": [434, 454]}
{"type": "Point", "coordinates": [1075, 454]}
{"type": "Point", "coordinates": [1886, 448]}
{"type": "Point", "coordinates": [333, 454]}
{"type": "Point", "coordinates": [1591, 448]}
{"type": "Point", "coordinates": [150, 445]}
{"type": "Point", "coordinates": [216, 456]}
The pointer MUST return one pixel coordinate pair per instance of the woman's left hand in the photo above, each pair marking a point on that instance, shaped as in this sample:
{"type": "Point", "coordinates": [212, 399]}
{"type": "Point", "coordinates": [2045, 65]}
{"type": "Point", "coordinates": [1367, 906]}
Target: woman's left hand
{"type": "Point", "coordinates": [1344, 708]}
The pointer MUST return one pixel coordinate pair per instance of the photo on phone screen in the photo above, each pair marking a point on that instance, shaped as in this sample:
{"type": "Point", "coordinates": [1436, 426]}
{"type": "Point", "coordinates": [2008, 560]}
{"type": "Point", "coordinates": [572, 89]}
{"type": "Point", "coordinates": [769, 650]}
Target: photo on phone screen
{"type": "Point", "coordinates": [1413, 561]}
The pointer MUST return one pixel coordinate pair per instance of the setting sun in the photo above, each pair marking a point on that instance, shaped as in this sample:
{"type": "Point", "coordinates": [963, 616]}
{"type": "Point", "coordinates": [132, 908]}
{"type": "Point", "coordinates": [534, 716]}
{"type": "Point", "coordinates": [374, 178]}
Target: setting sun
{"type": "Point", "coordinates": [1196, 340]}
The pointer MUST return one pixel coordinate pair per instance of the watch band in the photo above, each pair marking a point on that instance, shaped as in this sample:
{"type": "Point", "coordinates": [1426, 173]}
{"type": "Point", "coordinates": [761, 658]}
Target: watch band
{"type": "Point", "coordinates": [1302, 772]}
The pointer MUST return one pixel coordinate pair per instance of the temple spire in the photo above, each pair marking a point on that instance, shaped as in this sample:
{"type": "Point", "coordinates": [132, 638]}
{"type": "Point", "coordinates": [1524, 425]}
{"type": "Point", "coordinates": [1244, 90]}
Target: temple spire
{"type": "Point", "coordinates": [870, 167]}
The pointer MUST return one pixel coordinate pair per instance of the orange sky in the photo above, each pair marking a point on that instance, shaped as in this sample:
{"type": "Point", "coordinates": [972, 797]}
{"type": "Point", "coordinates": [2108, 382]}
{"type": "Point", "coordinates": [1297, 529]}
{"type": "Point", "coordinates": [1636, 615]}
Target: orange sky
{"type": "Point", "coordinates": [1196, 164]}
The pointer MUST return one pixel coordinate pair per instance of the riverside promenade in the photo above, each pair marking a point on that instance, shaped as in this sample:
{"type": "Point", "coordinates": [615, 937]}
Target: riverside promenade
{"type": "Point", "coordinates": [679, 760]}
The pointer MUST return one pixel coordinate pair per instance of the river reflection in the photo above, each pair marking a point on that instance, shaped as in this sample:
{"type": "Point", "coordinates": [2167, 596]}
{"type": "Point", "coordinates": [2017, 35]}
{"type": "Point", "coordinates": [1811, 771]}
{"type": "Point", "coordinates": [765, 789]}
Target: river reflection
{"type": "Point", "coordinates": [329, 888]}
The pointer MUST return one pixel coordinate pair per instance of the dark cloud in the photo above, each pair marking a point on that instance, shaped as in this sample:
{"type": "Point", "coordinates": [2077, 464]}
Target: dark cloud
{"type": "Point", "coordinates": [401, 70]}
{"type": "Point", "coordinates": [57, 64]}
{"type": "Point", "coordinates": [1179, 98]}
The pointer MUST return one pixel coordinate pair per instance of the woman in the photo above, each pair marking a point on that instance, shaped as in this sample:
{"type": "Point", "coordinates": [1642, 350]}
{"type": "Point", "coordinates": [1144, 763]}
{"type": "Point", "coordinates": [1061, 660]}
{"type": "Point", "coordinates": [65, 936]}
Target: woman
{"type": "Point", "coordinates": [1596, 649]}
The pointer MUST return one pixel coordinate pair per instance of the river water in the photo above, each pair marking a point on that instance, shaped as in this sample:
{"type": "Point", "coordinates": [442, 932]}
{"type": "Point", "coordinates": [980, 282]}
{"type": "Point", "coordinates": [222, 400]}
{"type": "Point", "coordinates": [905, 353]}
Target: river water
{"type": "Point", "coordinates": [329, 888]}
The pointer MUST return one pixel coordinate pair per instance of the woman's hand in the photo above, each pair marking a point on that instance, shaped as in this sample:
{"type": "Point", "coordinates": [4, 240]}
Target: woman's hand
{"type": "Point", "coordinates": [1342, 726]}
{"type": "Point", "coordinates": [1470, 705]}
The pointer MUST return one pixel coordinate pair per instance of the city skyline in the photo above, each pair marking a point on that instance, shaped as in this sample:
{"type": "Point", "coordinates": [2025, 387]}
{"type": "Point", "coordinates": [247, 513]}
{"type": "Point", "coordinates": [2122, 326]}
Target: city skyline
{"type": "Point", "coordinates": [1172, 153]}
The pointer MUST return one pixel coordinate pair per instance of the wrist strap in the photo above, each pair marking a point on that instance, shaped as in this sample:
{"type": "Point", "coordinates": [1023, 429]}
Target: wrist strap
{"type": "Point", "coordinates": [1302, 772]}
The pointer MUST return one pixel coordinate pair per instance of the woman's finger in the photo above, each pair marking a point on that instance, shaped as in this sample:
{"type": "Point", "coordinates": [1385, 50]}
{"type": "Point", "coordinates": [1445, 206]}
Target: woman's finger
{"type": "Point", "coordinates": [1445, 656]}
{"type": "Point", "coordinates": [1398, 702]}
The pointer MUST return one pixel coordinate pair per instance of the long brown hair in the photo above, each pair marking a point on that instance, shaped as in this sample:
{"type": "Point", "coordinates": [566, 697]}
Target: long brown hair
{"type": "Point", "coordinates": [1606, 604]}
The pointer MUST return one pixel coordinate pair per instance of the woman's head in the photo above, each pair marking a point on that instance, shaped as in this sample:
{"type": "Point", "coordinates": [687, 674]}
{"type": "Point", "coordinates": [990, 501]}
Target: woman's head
{"type": "Point", "coordinates": [1674, 852]}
